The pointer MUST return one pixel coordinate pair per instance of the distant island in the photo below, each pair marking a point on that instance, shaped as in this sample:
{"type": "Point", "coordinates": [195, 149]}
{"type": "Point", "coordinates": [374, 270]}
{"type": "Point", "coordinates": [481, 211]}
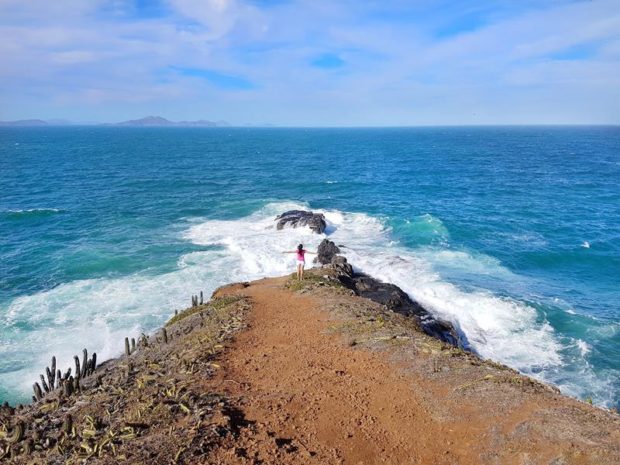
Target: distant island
{"type": "Point", "coordinates": [147, 121]}
{"type": "Point", "coordinates": [159, 121]}
{"type": "Point", "coordinates": [24, 122]}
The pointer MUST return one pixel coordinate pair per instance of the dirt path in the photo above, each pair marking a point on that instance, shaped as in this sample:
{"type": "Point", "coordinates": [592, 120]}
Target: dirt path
{"type": "Point", "coordinates": [306, 396]}
{"type": "Point", "coordinates": [336, 404]}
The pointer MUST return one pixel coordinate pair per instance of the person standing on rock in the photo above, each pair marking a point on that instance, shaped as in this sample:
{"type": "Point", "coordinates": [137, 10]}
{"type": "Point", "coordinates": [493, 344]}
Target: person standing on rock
{"type": "Point", "coordinates": [301, 260]}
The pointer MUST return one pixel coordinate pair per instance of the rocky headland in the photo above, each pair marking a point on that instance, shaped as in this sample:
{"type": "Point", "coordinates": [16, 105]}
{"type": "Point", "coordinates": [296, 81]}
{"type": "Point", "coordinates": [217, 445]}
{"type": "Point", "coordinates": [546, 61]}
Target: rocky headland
{"type": "Point", "coordinates": [339, 368]}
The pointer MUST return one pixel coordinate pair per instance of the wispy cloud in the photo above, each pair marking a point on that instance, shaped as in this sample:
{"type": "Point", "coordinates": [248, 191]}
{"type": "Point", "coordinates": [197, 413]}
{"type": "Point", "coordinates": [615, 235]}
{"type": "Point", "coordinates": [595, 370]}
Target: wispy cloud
{"type": "Point", "coordinates": [315, 62]}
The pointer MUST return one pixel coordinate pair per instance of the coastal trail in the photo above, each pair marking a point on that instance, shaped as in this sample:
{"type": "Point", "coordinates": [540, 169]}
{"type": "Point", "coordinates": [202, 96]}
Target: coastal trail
{"type": "Point", "coordinates": [305, 391]}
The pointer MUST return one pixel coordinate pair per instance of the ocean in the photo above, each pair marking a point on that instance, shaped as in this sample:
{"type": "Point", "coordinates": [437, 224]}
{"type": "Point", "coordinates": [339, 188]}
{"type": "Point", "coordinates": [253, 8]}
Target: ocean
{"type": "Point", "coordinates": [511, 233]}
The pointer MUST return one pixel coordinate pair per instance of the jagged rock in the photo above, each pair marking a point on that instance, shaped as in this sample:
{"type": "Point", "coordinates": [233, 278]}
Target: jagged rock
{"type": "Point", "coordinates": [326, 251]}
{"type": "Point", "coordinates": [295, 218]}
{"type": "Point", "coordinates": [340, 264]}
{"type": "Point", "coordinates": [392, 296]}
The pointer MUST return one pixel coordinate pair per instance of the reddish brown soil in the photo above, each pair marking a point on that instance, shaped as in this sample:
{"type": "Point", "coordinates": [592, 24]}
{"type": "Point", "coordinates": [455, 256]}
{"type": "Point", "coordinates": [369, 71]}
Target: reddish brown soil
{"type": "Point", "coordinates": [305, 394]}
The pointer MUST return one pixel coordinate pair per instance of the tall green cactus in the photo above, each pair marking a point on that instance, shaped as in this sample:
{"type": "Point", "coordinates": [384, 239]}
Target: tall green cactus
{"type": "Point", "coordinates": [44, 384]}
{"type": "Point", "coordinates": [84, 362]}
{"type": "Point", "coordinates": [53, 370]}
{"type": "Point", "coordinates": [77, 366]}
{"type": "Point", "coordinates": [37, 391]}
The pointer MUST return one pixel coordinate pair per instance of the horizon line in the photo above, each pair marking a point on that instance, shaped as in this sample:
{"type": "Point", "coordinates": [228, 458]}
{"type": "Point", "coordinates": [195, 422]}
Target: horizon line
{"type": "Point", "coordinates": [276, 126]}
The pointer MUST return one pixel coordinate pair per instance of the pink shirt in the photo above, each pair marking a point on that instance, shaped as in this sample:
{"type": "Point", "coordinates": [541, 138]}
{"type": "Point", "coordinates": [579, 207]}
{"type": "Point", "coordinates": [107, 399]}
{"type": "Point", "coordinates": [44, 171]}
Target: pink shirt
{"type": "Point", "coordinates": [300, 255]}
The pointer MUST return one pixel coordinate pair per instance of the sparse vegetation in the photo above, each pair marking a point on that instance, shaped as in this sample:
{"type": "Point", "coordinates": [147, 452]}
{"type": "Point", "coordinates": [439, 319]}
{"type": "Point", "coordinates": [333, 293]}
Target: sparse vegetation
{"type": "Point", "coordinates": [154, 392]}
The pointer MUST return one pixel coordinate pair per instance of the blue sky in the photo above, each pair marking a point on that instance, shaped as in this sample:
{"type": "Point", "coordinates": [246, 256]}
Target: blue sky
{"type": "Point", "coordinates": [312, 62]}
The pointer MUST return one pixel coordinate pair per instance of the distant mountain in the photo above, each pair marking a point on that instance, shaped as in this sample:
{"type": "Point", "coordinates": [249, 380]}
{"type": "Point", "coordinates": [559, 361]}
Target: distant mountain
{"type": "Point", "coordinates": [158, 121]}
{"type": "Point", "coordinates": [147, 121]}
{"type": "Point", "coordinates": [24, 122]}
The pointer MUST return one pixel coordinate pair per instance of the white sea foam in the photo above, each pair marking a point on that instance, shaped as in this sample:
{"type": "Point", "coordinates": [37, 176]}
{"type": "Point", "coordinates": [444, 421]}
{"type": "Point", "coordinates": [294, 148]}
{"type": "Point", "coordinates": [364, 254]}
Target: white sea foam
{"type": "Point", "coordinates": [495, 327]}
{"type": "Point", "coordinates": [98, 314]}
{"type": "Point", "coordinates": [585, 245]}
{"type": "Point", "coordinates": [34, 210]}
{"type": "Point", "coordinates": [583, 346]}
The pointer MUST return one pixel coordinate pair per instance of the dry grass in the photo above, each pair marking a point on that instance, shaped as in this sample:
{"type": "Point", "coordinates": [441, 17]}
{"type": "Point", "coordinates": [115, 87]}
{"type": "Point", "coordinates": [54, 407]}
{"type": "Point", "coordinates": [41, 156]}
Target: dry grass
{"type": "Point", "coordinates": [149, 407]}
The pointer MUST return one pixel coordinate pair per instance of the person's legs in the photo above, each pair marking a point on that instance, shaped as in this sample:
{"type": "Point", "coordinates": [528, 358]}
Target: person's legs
{"type": "Point", "coordinates": [299, 272]}
{"type": "Point", "coordinates": [301, 267]}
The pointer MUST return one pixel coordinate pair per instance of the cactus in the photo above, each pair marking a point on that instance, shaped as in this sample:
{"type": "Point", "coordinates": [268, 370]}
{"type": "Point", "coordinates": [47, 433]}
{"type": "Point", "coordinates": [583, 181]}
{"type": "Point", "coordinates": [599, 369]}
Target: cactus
{"type": "Point", "coordinates": [58, 378]}
{"type": "Point", "coordinates": [165, 335]}
{"type": "Point", "coordinates": [77, 366]}
{"type": "Point", "coordinates": [201, 298]}
{"type": "Point", "coordinates": [94, 364]}
{"type": "Point", "coordinates": [84, 362]}
{"type": "Point", "coordinates": [67, 374]}
{"type": "Point", "coordinates": [68, 386]}
{"type": "Point", "coordinates": [133, 344]}
{"type": "Point", "coordinates": [44, 384]}
{"type": "Point", "coordinates": [53, 370]}
{"type": "Point", "coordinates": [37, 391]}
{"type": "Point", "coordinates": [127, 350]}
{"type": "Point", "coordinates": [67, 425]}
{"type": "Point", "coordinates": [50, 378]}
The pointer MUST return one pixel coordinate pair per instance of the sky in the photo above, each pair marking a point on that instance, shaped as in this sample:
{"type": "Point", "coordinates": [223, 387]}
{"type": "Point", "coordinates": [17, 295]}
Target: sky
{"type": "Point", "coordinates": [312, 62]}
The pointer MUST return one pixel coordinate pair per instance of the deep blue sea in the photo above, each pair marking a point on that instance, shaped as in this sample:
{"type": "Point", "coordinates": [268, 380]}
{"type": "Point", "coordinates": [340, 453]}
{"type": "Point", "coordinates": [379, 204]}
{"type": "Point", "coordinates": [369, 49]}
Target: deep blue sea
{"type": "Point", "coordinates": [513, 234]}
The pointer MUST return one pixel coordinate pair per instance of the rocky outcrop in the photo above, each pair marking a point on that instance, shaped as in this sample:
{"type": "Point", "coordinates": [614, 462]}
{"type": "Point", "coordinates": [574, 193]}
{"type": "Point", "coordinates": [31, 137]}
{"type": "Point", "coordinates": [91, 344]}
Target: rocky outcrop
{"type": "Point", "coordinates": [390, 295]}
{"type": "Point", "coordinates": [296, 218]}
{"type": "Point", "coordinates": [326, 251]}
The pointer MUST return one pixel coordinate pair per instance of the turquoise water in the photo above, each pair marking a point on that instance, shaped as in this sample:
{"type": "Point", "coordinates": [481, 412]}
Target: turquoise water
{"type": "Point", "coordinates": [511, 233]}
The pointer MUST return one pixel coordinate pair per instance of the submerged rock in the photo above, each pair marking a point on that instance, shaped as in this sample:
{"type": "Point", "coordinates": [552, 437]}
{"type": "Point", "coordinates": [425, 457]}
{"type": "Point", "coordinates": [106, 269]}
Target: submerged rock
{"type": "Point", "coordinates": [295, 218]}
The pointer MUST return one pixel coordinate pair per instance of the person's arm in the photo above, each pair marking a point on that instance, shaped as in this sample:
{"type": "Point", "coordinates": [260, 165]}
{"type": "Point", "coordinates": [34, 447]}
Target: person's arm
{"type": "Point", "coordinates": [294, 251]}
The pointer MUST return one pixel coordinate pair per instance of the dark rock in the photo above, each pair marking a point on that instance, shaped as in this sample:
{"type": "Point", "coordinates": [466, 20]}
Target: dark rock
{"type": "Point", "coordinates": [397, 300]}
{"type": "Point", "coordinates": [295, 218]}
{"type": "Point", "coordinates": [340, 264]}
{"type": "Point", "coordinates": [326, 252]}
{"type": "Point", "coordinates": [393, 297]}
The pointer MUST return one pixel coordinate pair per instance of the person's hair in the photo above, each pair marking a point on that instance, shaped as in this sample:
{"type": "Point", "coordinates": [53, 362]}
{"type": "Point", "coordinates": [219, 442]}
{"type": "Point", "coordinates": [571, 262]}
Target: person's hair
{"type": "Point", "coordinates": [300, 247]}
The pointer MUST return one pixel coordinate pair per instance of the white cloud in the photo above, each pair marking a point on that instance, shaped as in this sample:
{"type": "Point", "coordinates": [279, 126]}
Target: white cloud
{"type": "Point", "coordinates": [396, 71]}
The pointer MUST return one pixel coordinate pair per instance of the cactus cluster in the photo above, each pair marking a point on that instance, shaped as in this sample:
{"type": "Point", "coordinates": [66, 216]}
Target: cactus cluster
{"type": "Point", "coordinates": [55, 379]}
{"type": "Point", "coordinates": [130, 348]}
{"type": "Point", "coordinates": [196, 301]}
